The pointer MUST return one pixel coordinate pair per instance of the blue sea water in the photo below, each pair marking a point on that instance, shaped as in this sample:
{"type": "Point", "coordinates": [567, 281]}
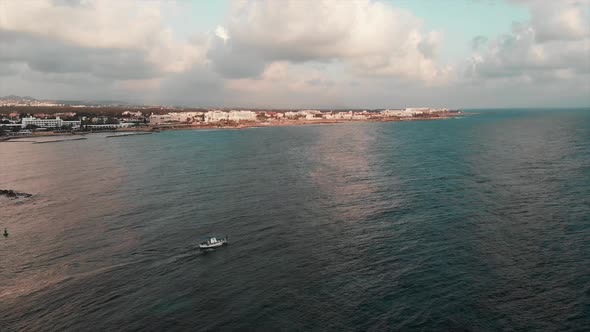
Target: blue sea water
{"type": "Point", "coordinates": [479, 223]}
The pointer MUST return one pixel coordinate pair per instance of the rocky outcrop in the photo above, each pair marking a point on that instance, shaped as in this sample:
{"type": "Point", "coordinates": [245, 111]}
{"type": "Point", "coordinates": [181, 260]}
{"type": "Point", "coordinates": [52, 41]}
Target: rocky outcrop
{"type": "Point", "coordinates": [14, 194]}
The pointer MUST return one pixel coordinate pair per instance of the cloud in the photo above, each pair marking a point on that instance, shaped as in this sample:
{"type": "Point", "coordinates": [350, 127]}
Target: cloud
{"type": "Point", "coordinates": [554, 44]}
{"type": "Point", "coordinates": [559, 20]}
{"type": "Point", "coordinates": [372, 38]}
{"type": "Point", "coordinates": [232, 61]}
{"type": "Point", "coordinates": [120, 39]}
{"type": "Point", "coordinates": [221, 33]}
{"type": "Point", "coordinates": [53, 56]}
{"type": "Point", "coordinates": [288, 85]}
{"type": "Point", "coordinates": [479, 42]}
{"type": "Point", "coordinates": [291, 53]}
{"type": "Point", "coordinates": [199, 86]}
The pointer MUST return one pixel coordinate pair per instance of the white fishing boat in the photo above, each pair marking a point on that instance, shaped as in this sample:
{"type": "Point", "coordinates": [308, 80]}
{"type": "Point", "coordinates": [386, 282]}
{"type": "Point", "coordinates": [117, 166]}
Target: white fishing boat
{"type": "Point", "coordinates": [213, 242]}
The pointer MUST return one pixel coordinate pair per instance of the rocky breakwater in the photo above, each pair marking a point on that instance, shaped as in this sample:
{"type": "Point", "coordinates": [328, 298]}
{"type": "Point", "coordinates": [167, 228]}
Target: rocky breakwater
{"type": "Point", "coordinates": [14, 194]}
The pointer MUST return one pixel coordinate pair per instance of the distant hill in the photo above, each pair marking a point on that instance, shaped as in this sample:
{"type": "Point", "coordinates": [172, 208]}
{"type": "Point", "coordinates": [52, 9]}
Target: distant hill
{"type": "Point", "coordinates": [17, 98]}
{"type": "Point", "coordinates": [28, 100]}
{"type": "Point", "coordinates": [94, 102]}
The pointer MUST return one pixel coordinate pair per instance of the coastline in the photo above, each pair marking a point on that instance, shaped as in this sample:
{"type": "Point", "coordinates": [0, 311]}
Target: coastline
{"type": "Point", "coordinates": [239, 125]}
{"type": "Point", "coordinates": [291, 123]}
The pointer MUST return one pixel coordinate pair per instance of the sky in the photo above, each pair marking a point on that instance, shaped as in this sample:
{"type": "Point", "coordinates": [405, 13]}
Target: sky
{"type": "Point", "coordinates": [299, 53]}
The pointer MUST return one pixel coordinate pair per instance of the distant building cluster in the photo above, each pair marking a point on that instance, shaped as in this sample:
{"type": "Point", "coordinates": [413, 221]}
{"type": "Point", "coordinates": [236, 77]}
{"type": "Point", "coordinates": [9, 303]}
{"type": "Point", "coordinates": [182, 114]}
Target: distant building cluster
{"type": "Point", "coordinates": [31, 103]}
{"type": "Point", "coordinates": [219, 116]}
{"type": "Point", "coordinates": [410, 112]}
{"type": "Point", "coordinates": [16, 122]}
{"type": "Point", "coordinates": [19, 122]}
{"type": "Point", "coordinates": [214, 116]}
{"type": "Point", "coordinates": [56, 122]}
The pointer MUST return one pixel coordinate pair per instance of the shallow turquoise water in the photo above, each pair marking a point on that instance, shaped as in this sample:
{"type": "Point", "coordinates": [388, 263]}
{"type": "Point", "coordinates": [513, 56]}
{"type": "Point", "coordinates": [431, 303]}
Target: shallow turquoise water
{"type": "Point", "coordinates": [478, 223]}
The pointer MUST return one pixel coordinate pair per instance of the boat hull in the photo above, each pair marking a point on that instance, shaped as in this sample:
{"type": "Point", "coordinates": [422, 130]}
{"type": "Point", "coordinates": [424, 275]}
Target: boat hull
{"type": "Point", "coordinates": [212, 246]}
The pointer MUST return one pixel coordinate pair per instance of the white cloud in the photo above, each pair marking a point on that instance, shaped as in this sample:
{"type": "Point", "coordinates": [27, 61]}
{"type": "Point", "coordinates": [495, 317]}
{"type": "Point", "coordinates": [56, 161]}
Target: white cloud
{"type": "Point", "coordinates": [288, 53]}
{"type": "Point", "coordinates": [222, 33]}
{"type": "Point", "coordinates": [554, 44]}
{"type": "Point", "coordinates": [559, 19]}
{"type": "Point", "coordinates": [131, 25]}
{"type": "Point", "coordinates": [284, 83]}
{"type": "Point", "coordinates": [371, 37]}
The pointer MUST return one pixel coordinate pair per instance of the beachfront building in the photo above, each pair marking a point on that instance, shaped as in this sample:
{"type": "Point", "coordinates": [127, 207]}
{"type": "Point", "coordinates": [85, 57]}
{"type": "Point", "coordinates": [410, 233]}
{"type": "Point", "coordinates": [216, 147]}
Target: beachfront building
{"type": "Point", "coordinates": [189, 116]}
{"type": "Point", "coordinates": [175, 117]}
{"type": "Point", "coordinates": [48, 123]}
{"type": "Point", "coordinates": [339, 115]}
{"type": "Point", "coordinates": [241, 116]}
{"type": "Point", "coordinates": [408, 112]}
{"type": "Point", "coordinates": [311, 116]}
{"type": "Point", "coordinates": [359, 116]}
{"type": "Point", "coordinates": [43, 123]}
{"type": "Point", "coordinates": [396, 113]}
{"type": "Point", "coordinates": [305, 114]}
{"type": "Point", "coordinates": [411, 111]}
{"type": "Point", "coordinates": [216, 116]}
{"type": "Point", "coordinates": [74, 124]}
{"type": "Point", "coordinates": [291, 115]}
{"type": "Point", "coordinates": [418, 110]}
{"type": "Point", "coordinates": [275, 115]}
{"type": "Point", "coordinates": [158, 119]}
{"type": "Point", "coordinates": [433, 110]}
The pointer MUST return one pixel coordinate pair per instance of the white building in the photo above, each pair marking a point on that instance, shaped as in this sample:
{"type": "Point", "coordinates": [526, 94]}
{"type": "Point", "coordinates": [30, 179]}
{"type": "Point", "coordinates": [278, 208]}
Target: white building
{"type": "Point", "coordinates": [216, 116]}
{"type": "Point", "coordinates": [306, 114]}
{"type": "Point", "coordinates": [176, 117]}
{"type": "Point", "coordinates": [72, 124]}
{"type": "Point", "coordinates": [187, 117]}
{"type": "Point", "coordinates": [44, 123]}
{"type": "Point", "coordinates": [241, 116]}
{"type": "Point", "coordinates": [291, 114]}
{"type": "Point", "coordinates": [158, 119]}
{"type": "Point", "coordinates": [340, 115]}
{"type": "Point", "coordinates": [408, 112]}
{"type": "Point", "coordinates": [359, 116]}
{"type": "Point", "coordinates": [48, 123]}
{"type": "Point", "coordinates": [418, 110]}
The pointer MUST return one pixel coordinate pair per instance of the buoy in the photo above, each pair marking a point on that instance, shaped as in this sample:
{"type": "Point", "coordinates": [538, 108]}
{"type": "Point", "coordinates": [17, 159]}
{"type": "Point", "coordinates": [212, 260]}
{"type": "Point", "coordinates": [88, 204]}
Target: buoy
{"type": "Point", "coordinates": [5, 233]}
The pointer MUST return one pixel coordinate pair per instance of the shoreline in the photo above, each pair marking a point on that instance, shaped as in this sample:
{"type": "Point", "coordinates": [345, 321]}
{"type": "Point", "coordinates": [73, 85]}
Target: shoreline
{"type": "Point", "coordinates": [244, 125]}
{"type": "Point", "coordinates": [292, 123]}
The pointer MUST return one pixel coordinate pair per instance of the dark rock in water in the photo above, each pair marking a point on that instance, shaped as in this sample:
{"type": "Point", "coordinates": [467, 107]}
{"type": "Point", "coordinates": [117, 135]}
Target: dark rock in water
{"type": "Point", "coordinates": [14, 194]}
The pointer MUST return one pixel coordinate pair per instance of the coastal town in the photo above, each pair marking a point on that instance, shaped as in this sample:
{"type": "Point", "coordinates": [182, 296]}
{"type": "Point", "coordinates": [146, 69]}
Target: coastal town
{"type": "Point", "coordinates": [17, 120]}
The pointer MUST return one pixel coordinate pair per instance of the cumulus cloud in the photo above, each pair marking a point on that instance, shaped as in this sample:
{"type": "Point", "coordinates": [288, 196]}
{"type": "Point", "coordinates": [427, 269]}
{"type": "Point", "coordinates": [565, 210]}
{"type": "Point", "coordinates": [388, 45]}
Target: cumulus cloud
{"type": "Point", "coordinates": [554, 44]}
{"type": "Point", "coordinates": [371, 37]}
{"type": "Point", "coordinates": [559, 20]}
{"type": "Point", "coordinates": [291, 53]}
{"type": "Point", "coordinates": [123, 39]}
{"type": "Point", "coordinates": [54, 56]}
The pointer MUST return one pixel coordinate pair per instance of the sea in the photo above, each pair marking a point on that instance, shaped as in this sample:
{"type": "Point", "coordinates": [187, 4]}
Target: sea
{"type": "Point", "coordinates": [476, 223]}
